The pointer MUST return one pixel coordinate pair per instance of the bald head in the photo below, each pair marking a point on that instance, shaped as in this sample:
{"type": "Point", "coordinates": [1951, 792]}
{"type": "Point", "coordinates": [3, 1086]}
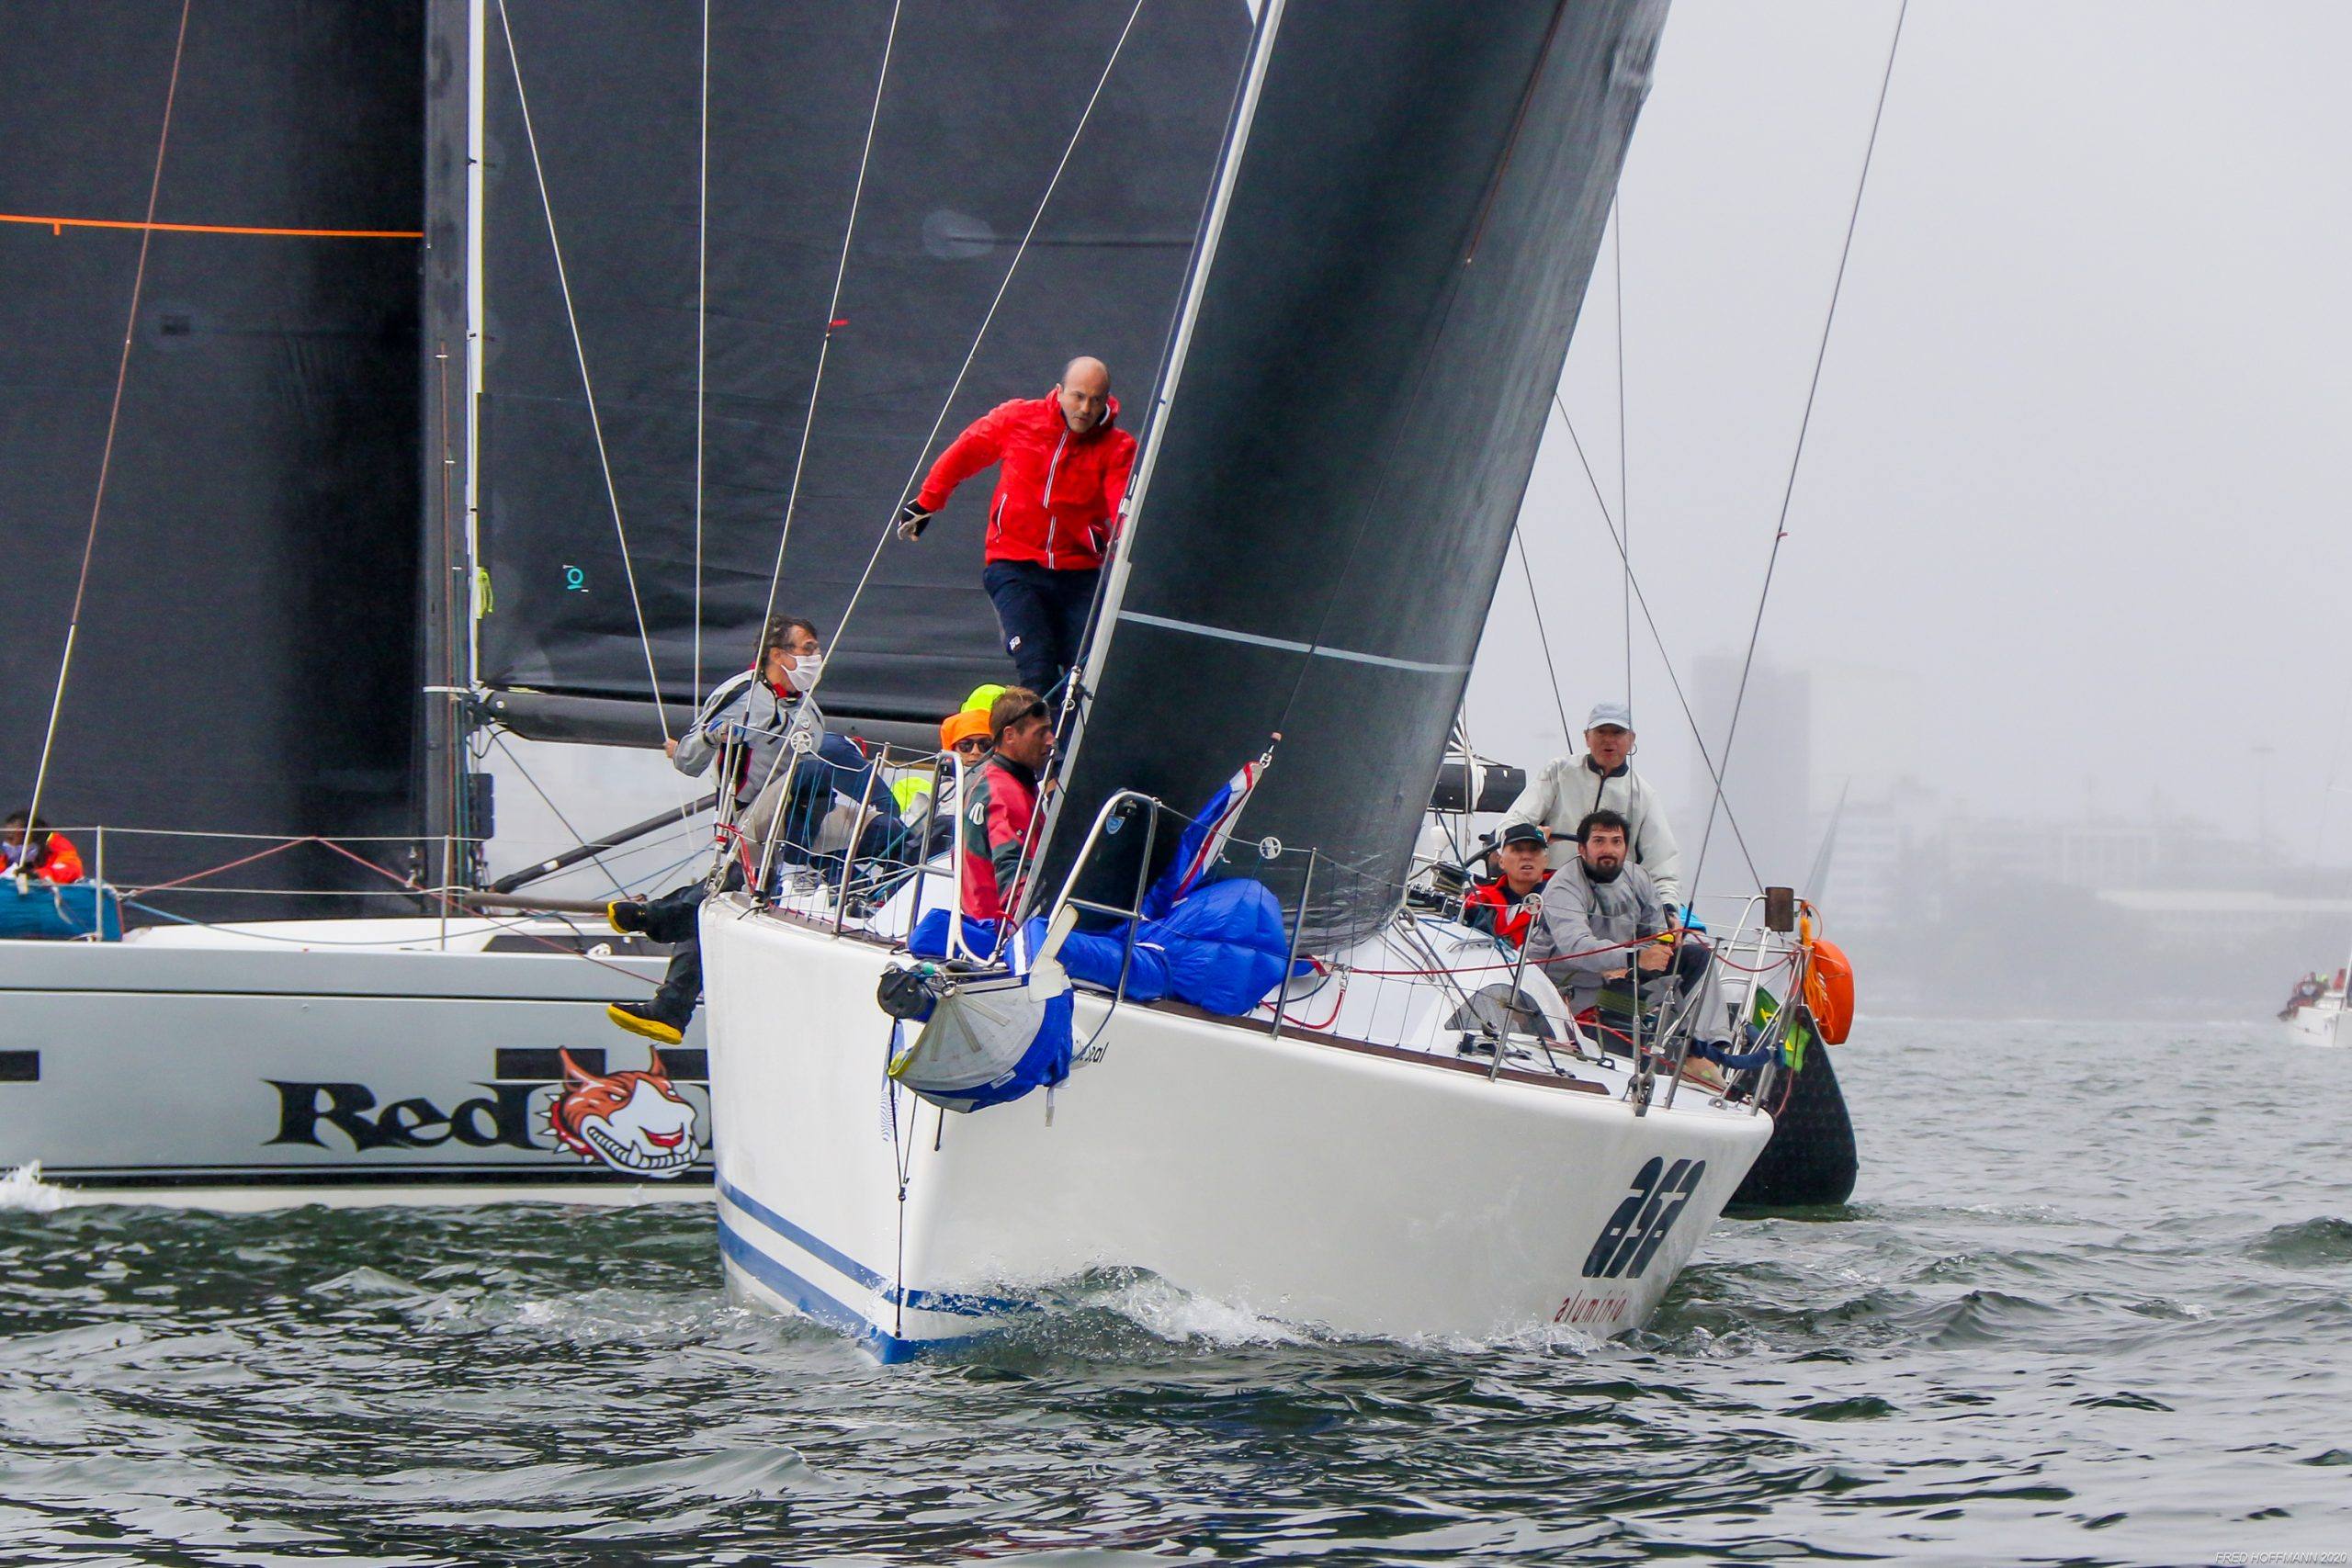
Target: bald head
{"type": "Point", "coordinates": [1085, 393]}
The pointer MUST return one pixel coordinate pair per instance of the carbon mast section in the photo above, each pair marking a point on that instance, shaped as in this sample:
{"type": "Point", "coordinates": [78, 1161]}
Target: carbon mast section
{"type": "Point", "coordinates": [979, 104]}
{"type": "Point", "coordinates": [247, 655]}
{"type": "Point", "coordinates": [1411, 224]}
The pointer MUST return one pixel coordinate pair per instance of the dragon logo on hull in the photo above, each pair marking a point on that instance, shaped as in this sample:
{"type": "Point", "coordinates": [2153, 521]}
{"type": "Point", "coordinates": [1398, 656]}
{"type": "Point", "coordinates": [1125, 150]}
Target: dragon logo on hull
{"type": "Point", "coordinates": [635, 1122]}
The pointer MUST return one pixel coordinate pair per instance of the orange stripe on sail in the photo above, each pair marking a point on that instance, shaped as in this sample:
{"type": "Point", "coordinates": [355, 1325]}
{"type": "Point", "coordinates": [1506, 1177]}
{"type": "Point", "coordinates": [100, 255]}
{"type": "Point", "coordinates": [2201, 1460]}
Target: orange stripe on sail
{"type": "Point", "coordinates": [59, 226]}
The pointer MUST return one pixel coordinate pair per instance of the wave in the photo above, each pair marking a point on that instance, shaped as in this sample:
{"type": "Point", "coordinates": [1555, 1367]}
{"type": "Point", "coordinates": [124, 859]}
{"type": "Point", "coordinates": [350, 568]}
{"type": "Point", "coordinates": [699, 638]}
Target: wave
{"type": "Point", "coordinates": [22, 1192]}
{"type": "Point", "coordinates": [2306, 1243]}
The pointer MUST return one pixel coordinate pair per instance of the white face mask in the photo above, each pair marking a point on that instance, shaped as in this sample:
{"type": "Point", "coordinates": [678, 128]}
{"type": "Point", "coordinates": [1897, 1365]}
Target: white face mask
{"type": "Point", "coordinates": [804, 671]}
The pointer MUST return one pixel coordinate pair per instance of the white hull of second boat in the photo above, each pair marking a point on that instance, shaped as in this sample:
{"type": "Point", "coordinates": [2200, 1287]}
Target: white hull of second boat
{"type": "Point", "coordinates": [370, 1060]}
{"type": "Point", "coordinates": [1358, 1190]}
{"type": "Point", "coordinates": [2320, 1023]}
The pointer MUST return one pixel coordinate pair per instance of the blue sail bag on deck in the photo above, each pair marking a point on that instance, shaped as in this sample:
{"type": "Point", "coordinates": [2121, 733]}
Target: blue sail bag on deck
{"type": "Point", "coordinates": [55, 911]}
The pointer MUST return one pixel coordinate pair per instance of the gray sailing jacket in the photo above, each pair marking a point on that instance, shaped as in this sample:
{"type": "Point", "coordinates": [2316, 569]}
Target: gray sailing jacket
{"type": "Point", "coordinates": [1580, 915]}
{"type": "Point", "coordinates": [1567, 788]}
{"type": "Point", "coordinates": [767, 722]}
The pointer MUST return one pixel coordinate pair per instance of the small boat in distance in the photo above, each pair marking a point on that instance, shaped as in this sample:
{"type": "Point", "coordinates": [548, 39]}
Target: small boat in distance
{"type": "Point", "coordinates": [2314, 1014]}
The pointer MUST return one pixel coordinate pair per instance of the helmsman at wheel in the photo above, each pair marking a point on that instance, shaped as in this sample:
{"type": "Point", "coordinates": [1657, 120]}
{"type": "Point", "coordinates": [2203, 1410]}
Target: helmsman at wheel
{"type": "Point", "coordinates": [1062, 475]}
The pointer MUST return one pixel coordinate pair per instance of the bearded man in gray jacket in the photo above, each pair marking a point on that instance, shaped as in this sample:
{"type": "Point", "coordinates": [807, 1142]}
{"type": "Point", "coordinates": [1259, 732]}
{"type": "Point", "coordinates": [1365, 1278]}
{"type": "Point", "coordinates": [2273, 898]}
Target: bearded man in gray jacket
{"type": "Point", "coordinates": [1595, 907]}
{"type": "Point", "coordinates": [1559, 797]}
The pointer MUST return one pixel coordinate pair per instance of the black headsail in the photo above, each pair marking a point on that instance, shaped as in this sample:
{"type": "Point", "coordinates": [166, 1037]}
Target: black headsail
{"type": "Point", "coordinates": [1401, 240]}
{"type": "Point", "coordinates": [981, 98]}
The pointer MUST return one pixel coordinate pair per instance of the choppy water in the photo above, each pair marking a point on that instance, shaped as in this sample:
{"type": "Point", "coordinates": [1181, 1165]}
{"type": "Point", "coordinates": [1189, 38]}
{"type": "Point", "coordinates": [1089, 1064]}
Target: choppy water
{"type": "Point", "coordinates": [2090, 1305]}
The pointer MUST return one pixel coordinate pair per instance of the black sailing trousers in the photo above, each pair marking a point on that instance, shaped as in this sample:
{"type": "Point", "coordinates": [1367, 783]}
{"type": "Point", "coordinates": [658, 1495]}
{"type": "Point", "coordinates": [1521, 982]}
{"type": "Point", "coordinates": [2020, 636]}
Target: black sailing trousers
{"type": "Point", "coordinates": [1043, 614]}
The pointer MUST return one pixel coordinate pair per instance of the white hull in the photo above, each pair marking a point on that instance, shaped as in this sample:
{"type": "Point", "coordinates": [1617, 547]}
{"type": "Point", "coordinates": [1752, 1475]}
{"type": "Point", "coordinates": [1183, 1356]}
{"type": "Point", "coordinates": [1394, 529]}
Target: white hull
{"type": "Point", "coordinates": [1356, 1189]}
{"type": "Point", "coordinates": [357, 1062]}
{"type": "Point", "coordinates": [2320, 1023]}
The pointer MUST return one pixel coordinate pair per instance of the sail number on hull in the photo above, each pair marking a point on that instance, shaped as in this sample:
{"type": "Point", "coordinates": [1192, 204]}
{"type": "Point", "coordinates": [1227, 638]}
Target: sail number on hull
{"type": "Point", "coordinates": [1639, 1226]}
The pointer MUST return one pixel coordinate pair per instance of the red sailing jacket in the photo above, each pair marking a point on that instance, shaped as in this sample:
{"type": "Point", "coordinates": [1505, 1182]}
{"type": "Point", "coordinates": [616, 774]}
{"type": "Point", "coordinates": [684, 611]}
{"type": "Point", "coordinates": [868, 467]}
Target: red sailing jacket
{"type": "Point", "coordinates": [1058, 494]}
{"type": "Point", "coordinates": [55, 860]}
{"type": "Point", "coordinates": [1507, 916]}
{"type": "Point", "coordinates": [999, 821]}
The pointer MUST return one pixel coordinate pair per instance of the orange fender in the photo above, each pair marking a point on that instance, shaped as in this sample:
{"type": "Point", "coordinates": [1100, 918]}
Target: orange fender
{"type": "Point", "coordinates": [1829, 992]}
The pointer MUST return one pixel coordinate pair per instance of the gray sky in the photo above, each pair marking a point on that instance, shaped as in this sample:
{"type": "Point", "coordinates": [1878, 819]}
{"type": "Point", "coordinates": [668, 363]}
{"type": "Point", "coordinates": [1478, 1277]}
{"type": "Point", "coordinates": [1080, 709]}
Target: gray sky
{"type": "Point", "coordinates": [2071, 524]}
{"type": "Point", "coordinates": [2071, 521]}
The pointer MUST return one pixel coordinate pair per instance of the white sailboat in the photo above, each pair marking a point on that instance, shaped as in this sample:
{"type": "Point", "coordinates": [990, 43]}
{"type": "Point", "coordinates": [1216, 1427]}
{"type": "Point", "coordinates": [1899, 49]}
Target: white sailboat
{"type": "Point", "coordinates": [2317, 1014]}
{"type": "Point", "coordinates": [1401, 229]}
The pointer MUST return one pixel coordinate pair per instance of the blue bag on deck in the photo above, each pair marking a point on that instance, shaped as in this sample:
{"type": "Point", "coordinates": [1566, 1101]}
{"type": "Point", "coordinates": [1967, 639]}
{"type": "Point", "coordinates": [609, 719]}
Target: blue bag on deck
{"type": "Point", "coordinates": [1225, 944]}
{"type": "Point", "coordinates": [46, 909]}
{"type": "Point", "coordinates": [1091, 958]}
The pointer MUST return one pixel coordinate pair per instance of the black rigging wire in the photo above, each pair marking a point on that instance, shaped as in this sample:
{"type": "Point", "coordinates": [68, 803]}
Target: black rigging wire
{"type": "Point", "coordinates": [1805, 424]}
{"type": "Point", "coordinates": [1543, 638]}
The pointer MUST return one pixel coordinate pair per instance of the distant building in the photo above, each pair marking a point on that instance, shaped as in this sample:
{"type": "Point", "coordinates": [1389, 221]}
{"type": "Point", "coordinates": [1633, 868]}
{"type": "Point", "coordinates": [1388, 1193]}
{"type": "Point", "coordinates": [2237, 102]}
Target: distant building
{"type": "Point", "coordinates": [1769, 781]}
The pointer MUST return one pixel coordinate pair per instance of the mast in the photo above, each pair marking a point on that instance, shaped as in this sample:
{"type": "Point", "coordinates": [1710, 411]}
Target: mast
{"type": "Point", "coordinates": [449, 304]}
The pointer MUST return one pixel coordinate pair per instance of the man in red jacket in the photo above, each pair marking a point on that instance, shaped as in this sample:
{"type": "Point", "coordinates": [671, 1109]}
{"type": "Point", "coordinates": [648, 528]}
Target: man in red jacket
{"type": "Point", "coordinates": [1062, 474]}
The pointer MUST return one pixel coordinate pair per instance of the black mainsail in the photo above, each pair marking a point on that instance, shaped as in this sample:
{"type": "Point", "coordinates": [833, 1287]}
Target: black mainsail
{"type": "Point", "coordinates": [980, 101]}
{"type": "Point", "coordinates": [1402, 237]}
{"type": "Point", "coordinates": [247, 655]}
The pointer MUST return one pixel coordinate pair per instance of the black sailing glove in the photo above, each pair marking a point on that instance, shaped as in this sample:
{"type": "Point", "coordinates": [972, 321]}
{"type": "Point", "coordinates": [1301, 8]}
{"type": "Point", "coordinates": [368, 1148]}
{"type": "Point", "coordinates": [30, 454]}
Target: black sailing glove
{"type": "Point", "coordinates": [913, 518]}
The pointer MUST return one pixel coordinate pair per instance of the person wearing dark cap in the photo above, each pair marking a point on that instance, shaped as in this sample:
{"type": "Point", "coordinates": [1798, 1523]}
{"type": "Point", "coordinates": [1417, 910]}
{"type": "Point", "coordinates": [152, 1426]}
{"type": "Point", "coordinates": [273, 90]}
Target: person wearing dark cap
{"type": "Point", "coordinates": [1568, 788]}
{"type": "Point", "coordinates": [1502, 906]}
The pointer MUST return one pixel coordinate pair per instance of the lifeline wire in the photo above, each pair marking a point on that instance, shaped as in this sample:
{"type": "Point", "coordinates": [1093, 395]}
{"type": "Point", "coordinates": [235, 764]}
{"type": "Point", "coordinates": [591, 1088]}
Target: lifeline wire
{"type": "Point", "coordinates": [833, 325]}
{"type": "Point", "coordinates": [841, 631]}
{"type": "Point", "coordinates": [1658, 639]}
{"type": "Point", "coordinates": [1805, 424]}
{"type": "Point", "coordinates": [114, 421]}
{"type": "Point", "coordinates": [587, 387]}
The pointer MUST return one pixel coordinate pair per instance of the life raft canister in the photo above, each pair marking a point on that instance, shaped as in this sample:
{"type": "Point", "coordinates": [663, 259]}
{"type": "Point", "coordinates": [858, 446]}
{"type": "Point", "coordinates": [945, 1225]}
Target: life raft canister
{"type": "Point", "coordinates": [1829, 992]}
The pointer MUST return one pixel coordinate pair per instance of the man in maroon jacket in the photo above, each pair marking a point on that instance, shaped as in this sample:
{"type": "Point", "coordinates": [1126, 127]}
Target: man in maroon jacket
{"type": "Point", "coordinates": [1062, 474]}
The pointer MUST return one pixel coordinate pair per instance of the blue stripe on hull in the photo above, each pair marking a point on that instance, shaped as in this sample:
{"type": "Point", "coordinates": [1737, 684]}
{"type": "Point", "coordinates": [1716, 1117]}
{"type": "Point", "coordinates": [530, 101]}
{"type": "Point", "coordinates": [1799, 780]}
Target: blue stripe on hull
{"type": "Point", "coordinates": [958, 1302]}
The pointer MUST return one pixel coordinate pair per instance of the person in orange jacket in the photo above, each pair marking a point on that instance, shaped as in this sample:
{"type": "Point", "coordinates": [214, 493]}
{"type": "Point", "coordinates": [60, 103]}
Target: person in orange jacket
{"type": "Point", "coordinates": [29, 849]}
{"type": "Point", "coordinates": [1062, 471]}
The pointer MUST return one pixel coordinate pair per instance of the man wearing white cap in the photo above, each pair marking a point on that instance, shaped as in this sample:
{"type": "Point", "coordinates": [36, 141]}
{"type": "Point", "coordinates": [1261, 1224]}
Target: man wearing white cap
{"type": "Point", "coordinates": [1557, 799]}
